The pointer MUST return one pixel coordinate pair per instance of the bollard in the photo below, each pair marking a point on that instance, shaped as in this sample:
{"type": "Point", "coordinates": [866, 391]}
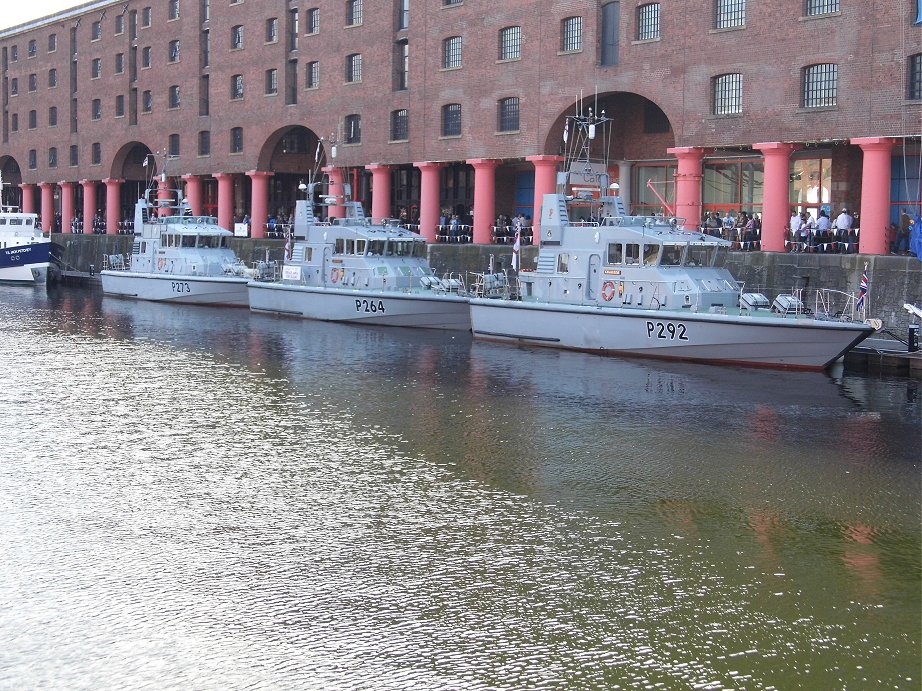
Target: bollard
{"type": "Point", "coordinates": [913, 341]}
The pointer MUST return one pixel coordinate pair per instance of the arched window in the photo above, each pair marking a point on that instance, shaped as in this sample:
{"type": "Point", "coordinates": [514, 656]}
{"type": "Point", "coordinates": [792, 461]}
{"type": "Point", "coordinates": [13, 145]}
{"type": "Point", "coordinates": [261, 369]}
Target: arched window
{"type": "Point", "coordinates": [451, 53]}
{"type": "Point", "coordinates": [728, 94]}
{"type": "Point", "coordinates": [820, 85]}
{"type": "Point", "coordinates": [508, 115]}
{"type": "Point", "coordinates": [510, 43]}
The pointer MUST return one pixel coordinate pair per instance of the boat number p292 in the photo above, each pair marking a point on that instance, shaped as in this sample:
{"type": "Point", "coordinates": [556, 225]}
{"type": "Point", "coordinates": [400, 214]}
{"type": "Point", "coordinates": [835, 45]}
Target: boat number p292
{"type": "Point", "coordinates": [668, 331]}
{"type": "Point", "coordinates": [180, 287]}
{"type": "Point", "coordinates": [369, 306]}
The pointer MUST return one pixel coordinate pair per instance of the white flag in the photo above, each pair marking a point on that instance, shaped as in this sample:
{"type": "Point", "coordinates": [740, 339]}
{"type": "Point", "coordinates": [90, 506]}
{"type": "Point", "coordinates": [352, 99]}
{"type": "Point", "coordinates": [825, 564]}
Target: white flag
{"type": "Point", "coordinates": [517, 245]}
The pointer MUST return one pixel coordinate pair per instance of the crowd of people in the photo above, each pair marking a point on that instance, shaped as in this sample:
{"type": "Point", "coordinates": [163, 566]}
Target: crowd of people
{"type": "Point", "coordinates": [744, 229]}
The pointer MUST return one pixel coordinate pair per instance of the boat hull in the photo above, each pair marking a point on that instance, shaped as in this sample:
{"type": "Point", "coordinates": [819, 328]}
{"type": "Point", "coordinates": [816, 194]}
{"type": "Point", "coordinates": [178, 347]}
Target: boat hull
{"type": "Point", "coordinates": [182, 289]}
{"type": "Point", "coordinates": [26, 264]}
{"type": "Point", "coordinates": [423, 310]}
{"type": "Point", "coordinates": [712, 338]}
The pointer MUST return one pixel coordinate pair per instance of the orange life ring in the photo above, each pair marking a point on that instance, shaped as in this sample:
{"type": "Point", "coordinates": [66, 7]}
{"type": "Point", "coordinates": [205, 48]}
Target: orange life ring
{"type": "Point", "coordinates": [608, 291]}
{"type": "Point", "coordinates": [161, 263]}
{"type": "Point", "coordinates": [334, 275]}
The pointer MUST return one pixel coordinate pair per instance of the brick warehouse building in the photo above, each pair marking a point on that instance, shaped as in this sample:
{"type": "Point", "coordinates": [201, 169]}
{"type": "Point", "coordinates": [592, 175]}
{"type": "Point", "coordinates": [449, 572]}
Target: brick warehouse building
{"type": "Point", "coordinates": [460, 105]}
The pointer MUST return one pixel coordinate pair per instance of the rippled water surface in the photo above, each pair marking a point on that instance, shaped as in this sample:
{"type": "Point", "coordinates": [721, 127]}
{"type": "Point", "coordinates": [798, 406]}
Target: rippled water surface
{"type": "Point", "coordinates": [206, 498]}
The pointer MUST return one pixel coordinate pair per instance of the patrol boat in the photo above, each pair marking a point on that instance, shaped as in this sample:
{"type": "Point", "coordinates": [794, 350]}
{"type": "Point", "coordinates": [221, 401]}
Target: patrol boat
{"type": "Point", "coordinates": [177, 257]}
{"type": "Point", "coordinates": [352, 270]}
{"type": "Point", "coordinates": [644, 286]}
{"type": "Point", "coordinates": [25, 253]}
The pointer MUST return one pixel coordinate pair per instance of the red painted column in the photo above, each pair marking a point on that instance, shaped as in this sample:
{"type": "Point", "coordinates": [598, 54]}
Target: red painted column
{"type": "Point", "coordinates": [335, 189]}
{"type": "Point", "coordinates": [380, 190]}
{"type": "Point", "coordinates": [259, 212]}
{"type": "Point", "coordinates": [47, 206]}
{"type": "Point", "coordinates": [194, 193]}
{"type": "Point", "coordinates": [875, 194]}
{"type": "Point", "coordinates": [89, 204]}
{"type": "Point", "coordinates": [545, 183]}
{"type": "Point", "coordinates": [164, 197]}
{"type": "Point", "coordinates": [429, 199]}
{"type": "Point", "coordinates": [484, 198]}
{"type": "Point", "coordinates": [28, 197]}
{"type": "Point", "coordinates": [225, 200]}
{"type": "Point", "coordinates": [688, 184]}
{"type": "Point", "coordinates": [67, 206]}
{"type": "Point", "coordinates": [113, 204]}
{"type": "Point", "coordinates": [776, 195]}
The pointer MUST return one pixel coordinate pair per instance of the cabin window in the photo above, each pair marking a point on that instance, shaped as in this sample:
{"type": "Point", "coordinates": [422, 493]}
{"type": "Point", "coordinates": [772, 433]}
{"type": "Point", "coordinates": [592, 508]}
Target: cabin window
{"type": "Point", "coordinates": [188, 241]}
{"type": "Point", "coordinates": [632, 254]}
{"type": "Point", "coordinates": [649, 254]}
{"type": "Point", "coordinates": [350, 246]}
{"type": "Point", "coordinates": [615, 253]}
{"type": "Point", "coordinates": [563, 263]}
{"type": "Point", "coordinates": [2, 221]}
{"type": "Point", "coordinates": [205, 241]}
{"type": "Point", "coordinates": [15, 221]}
{"type": "Point", "coordinates": [339, 246]}
{"type": "Point", "coordinates": [376, 247]}
{"type": "Point", "coordinates": [403, 248]}
{"type": "Point", "coordinates": [672, 255]}
{"type": "Point", "coordinates": [360, 247]}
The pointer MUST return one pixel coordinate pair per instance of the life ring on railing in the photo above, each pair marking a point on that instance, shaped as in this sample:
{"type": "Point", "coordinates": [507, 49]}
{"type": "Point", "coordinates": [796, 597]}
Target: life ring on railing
{"type": "Point", "coordinates": [334, 275]}
{"type": "Point", "coordinates": [161, 263]}
{"type": "Point", "coordinates": [608, 291]}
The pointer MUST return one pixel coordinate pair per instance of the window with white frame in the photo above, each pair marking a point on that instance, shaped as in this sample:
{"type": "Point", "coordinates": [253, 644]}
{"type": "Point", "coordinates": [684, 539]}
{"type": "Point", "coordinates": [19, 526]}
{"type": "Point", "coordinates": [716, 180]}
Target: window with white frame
{"type": "Point", "coordinates": [353, 129]}
{"type": "Point", "coordinates": [353, 12]}
{"type": "Point", "coordinates": [815, 7]}
{"type": "Point", "coordinates": [508, 115]}
{"type": "Point", "coordinates": [729, 13]}
{"type": "Point", "coordinates": [312, 75]}
{"type": "Point", "coordinates": [510, 43]}
{"type": "Point", "coordinates": [648, 22]}
{"type": "Point", "coordinates": [400, 125]}
{"type": "Point", "coordinates": [728, 94]}
{"type": "Point", "coordinates": [272, 81]}
{"type": "Point", "coordinates": [312, 24]}
{"type": "Point", "coordinates": [236, 88]}
{"type": "Point", "coordinates": [571, 34]}
{"type": "Point", "coordinates": [451, 120]}
{"type": "Point", "coordinates": [451, 53]}
{"type": "Point", "coordinates": [173, 12]}
{"type": "Point", "coordinates": [354, 67]}
{"type": "Point", "coordinates": [914, 78]}
{"type": "Point", "coordinates": [174, 96]}
{"type": "Point", "coordinates": [174, 51]}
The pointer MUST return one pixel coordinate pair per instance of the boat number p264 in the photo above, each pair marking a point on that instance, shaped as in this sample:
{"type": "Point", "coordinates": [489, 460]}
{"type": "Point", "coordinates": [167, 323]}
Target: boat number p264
{"type": "Point", "coordinates": [180, 287]}
{"type": "Point", "coordinates": [668, 331]}
{"type": "Point", "coordinates": [369, 306]}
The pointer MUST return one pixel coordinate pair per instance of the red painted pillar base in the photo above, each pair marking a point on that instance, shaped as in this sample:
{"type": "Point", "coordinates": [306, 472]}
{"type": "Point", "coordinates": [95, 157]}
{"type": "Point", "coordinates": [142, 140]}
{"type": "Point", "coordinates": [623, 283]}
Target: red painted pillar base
{"type": "Point", "coordinates": [47, 206]}
{"type": "Point", "coordinates": [875, 194]}
{"type": "Point", "coordinates": [429, 206]}
{"type": "Point", "coordinates": [225, 200]}
{"type": "Point", "coordinates": [484, 198]}
{"type": "Point", "coordinates": [688, 184]}
{"type": "Point", "coordinates": [545, 183]}
{"type": "Point", "coordinates": [67, 206]}
{"type": "Point", "coordinates": [380, 191]}
{"type": "Point", "coordinates": [259, 215]}
{"type": "Point", "coordinates": [113, 205]}
{"type": "Point", "coordinates": [89, 204]}
{"type": "Point", "coordinates": [776, 203]}
{"type": "Point", "coordinates": [28, 197]}
{"type": "Point", "coordinates": [194, 194]}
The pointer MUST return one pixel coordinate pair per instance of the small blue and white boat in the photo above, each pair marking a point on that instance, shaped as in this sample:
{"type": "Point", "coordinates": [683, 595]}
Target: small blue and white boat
{"type": "Point", "coordinates": [25, 252]}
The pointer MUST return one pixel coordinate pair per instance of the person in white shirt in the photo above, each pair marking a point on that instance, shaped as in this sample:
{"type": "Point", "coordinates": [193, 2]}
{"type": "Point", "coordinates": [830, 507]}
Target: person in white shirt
{"type": "Point", "coordinates": [843, 223]}
{"type": "Point", "coordinates": [823, 224]}
{"type": "Point", "coordinates": [796, 222]}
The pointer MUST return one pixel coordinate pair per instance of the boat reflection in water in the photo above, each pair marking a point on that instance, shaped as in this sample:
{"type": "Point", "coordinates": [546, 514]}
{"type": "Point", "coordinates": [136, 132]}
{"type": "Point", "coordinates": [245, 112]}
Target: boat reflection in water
{"type": "Point", "coordinates": [401, 508]}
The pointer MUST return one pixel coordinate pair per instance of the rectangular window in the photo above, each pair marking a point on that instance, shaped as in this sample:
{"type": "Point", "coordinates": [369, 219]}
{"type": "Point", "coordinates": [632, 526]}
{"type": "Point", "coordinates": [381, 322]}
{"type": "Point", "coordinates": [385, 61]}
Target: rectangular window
{"type": "Point", "coordinates": [96, 70]}
{"type": "Point", "coordinates": [451, 53]}
{"type": "Point", "coordinates": [204, 143]}
{"type": "Point", "coordinates": [146, 17]}
{"type": "Point", "coordinates": [354, 67]}
{"type": "Point", "coordinates": [353, 129]}
{"type": "Point", "coordinates": [119, 24]}
{"type": "Point", "coordinates": [119, 63]}
{"type": "Point", "coordinates": [174, 51]}
{"type": "Point", "coordinates": [33, 82]}
{"type": "Point", "coordinates": [236, 140]}
{"type": "Point", "coordinates": [237, 86]}
{"type": "Point", "coordinates": [648, 22]}
{"type": "Point", "coordinates": [451, 120]}
{"type": "Point", "coordinates": [820, 85]}
{"type": "Point", "coordinates": [33, 159]}
{"type": "Point", "coordinates": [97, 153]}
{"type": "Point", "coordinates": [272, 30]}
{"type": "Point", "coordinates": [120, 106]}
{"type": "Point", "coordinates": [147, 102]}
{"type": "Point", "coordinates": [914, 74]}
{"type": "Point", "coordinates": [400, 125]}
{"type": "Point", "coordinates": [52, 43]}
{"type": "Point", "coordinates": [74, 155]}
{"type": "Point", "coordinates": [403, 65]}
{"type": "Point", "coordinates": [14, 122]}
{"type": "Point", "coordinates": [96, 109]}
{"type": "Point", "coordinates": [313, 20]}
{"type": "Point", "coordinates": [353, 12]}
{"type": "Point", "coordinates": [403, 15]}
{"type": "Point", "coordinates": [729, 13]}
{"type": "Point", "coordinates": [728, 94]}
{"type": "Point", "coordinates": [33, 48]}
{"type": "Point", "coordinates": [14, 53]}
{"type": "Point", "coordinates": [174, 145]}
{"type": "Point", "coordinates": [312, 79]}
{"type": "Point", "coordinates": [96, 31]}
{"type": "Point", "coordinates": [52, 117]}
{"type": "Point", "coordinates": [33, 119]}
{"type": "Point", "coordinates": [174, 97]}
{"type": "Point", "coordinates": [510, 43]}
{"type": "Point", "coordinates": [14, 86]}
{"type": "Point", "coordinates": [237, 37]}
{"type": "Point", "coordinates": [815, 7]}
{"type": "Point", "coordinates": [571, 34]}
{"type": "Point", "coordinates": [509, 115]}
{"type": "Point", "coordinates": [272, 81]}
{"type": "Point", "coordinates": [146, 57]}
{"type": "Point", "coordinates": [174, 10]}
{"type": "Point", "coordinates": [52, 78]}
{"type": "Point", "coordinates": [204, 95]}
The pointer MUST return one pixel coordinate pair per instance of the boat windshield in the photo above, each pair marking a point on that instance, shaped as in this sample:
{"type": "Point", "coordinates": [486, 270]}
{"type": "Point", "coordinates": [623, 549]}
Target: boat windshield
{"type": "Point", "coordinates": [209, 241]}
{"type": "Point", "coordinates": [701, 255]}
{"type": "Point", "coordinates": [404, 248]}
{"type": "Point", "coordinates": [672, 255]}
{"type": "Point", "coordinates": [650, 253]}
{"type": "Point", "coordinates": [376, 247]}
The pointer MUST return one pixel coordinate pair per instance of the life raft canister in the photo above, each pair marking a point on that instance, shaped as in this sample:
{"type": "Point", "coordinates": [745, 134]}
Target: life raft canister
{"type": "Point", "coordinates": [608, 291]}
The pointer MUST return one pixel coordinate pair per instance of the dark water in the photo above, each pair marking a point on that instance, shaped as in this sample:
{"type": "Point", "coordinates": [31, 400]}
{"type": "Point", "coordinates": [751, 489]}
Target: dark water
{"type": "Point", "coordinates": [206, 498]}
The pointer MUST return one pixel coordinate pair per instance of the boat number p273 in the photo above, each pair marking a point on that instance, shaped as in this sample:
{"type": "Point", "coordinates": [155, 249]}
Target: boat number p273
{"type": "Point", "coordinates": [668, 331]}
{"type": "Point", "coordinates": [180, 287]}
{"type": "Point", "coordinates": [369, 306]}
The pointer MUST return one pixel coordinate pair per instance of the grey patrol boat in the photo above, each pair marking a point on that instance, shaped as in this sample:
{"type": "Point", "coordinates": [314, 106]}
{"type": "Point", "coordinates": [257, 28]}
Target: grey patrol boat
{"type": "Point", "coordinates": [353, 270]}
{"type": "Point", "coordinates": [177, 257]}
{"type": "Point", "coordinates": [644, 286]}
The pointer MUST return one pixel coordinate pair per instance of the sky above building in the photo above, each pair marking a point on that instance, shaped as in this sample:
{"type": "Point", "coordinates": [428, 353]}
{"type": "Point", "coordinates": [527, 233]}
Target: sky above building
{"type": "Point", "coordinates": [15, 12]}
